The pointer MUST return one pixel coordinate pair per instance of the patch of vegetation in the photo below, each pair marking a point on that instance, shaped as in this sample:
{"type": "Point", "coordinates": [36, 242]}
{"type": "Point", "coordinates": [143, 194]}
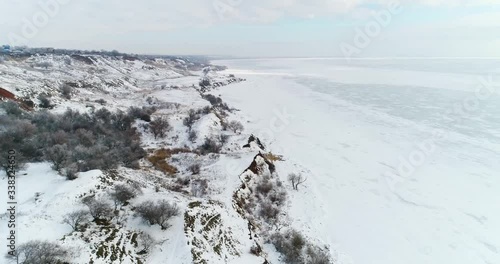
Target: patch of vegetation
{"type": "Point", "coordinates": [71, 141]}
{"type": "Point", "coordinates": [159, 159]}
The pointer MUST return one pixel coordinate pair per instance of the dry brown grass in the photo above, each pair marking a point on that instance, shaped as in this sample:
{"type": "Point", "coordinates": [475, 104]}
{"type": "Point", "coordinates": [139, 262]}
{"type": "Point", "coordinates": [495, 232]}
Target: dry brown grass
{"type": "Point", "coordinates": [159, 159]}
{"type": "Point", "coordinates": [272, 157]}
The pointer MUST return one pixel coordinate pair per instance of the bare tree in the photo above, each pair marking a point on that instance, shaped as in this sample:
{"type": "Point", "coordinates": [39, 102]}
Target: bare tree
{"type": "Point", "coordinates": [39, 252]}
{"type": "Point", "coordinates": [159, 127]}
{"type": "Point", "coordinates": [76, 218]}
{"type": "Point", "coordinates": [146, 241]}
{"type": "Point", "coordinates": [296, 180]}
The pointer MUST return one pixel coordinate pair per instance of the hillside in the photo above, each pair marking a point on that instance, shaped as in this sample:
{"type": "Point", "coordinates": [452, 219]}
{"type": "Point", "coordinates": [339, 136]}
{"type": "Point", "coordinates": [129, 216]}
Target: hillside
{"type": "Point", "coordinates": [91, 125]}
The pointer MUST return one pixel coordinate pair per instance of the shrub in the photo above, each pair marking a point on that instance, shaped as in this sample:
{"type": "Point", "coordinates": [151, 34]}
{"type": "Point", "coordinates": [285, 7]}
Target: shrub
{"type": "Point", "coordinates": [58, 155]}
{"type": "Point", "coordinates": [11, 108]}
{"type": "Point", "coordinates": [235, 126]}
{"type": "Point", "coordinates": [205, 82]}
{"type": "Point", "coordinates": [199, 187]}
{"type": "Point", "coordinates": [44, 102]}
{"type": "Point", "coordinates": [192, 136]}
{"type": "Point", "coordinates": [66, 91]}
{"type": "Point", "coordinates": [159, 212]}
{"type": "Point", "coordinates": [101, 101]}
{"type": "Point", "coordinates": [122, 193]}
{"type": "Point", "coordinates": [99, 209]}
{"type": "Point", "coordinates": [141, 113]}
{"type": "Point", "coordinates": [159, 127]}
{"type": "Point", "coordinates": [76, 218]}
{"type": "Point", "coordinates": [315, 255]}
{"type": "Point", "coordinates": [223, 138]}
{"type": "Point", "coordinates": [210, 146]}
{"type": "Point", "coordinates": [290, 244]}
{"type": "Point", "coordinates": [71, 172]}
{"type": "Point", "coordinates": [190, 119]}
{"type": "Point", "coordinates": [36, 251]}
{"type": "Point", "coordinates": [195, 168]}
{"type": "Point", "coordinates": [269, 211]}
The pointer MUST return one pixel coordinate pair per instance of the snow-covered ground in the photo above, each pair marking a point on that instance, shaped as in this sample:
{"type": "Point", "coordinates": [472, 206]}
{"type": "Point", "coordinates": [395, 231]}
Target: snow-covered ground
{"type": "Point", "coordinates": [401, 155]}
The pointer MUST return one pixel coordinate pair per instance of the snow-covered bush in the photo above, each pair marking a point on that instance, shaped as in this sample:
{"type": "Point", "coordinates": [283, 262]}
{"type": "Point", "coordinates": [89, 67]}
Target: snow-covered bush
{"type": "Point", "coordinates": [159, 212]}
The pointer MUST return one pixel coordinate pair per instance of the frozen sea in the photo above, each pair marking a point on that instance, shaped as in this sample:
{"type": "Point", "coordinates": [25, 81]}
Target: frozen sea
{"type": "Point", "coordinates": [402, 155]}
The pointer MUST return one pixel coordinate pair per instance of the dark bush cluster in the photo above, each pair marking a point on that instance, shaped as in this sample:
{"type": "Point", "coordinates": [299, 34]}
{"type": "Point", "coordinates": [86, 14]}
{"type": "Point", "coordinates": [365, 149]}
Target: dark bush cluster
{"type": "Point", "coordinates": [159, 212]}
{"type": "Point", "coordinates": [205, 82]}
{"type": "Point", "coordinates": [72, 141]}
{"type": "Point", "coordinates": [216, 102]}
{"type": "Point", "coordinates": [44, 102]}
{"type": "Point", "coordinates": [210, 146]}
{"type": "Point", "coordinates": [143, 113]}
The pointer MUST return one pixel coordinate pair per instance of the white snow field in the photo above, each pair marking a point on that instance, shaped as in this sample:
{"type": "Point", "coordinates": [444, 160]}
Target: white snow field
{"type": "Point", "coordinates": [402, 156]}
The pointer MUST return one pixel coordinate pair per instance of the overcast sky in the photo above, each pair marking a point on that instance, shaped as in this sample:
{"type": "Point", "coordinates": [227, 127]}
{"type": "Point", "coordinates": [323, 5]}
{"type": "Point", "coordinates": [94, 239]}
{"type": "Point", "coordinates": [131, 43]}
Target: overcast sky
{"type": "Point", "coordinates": [261, 28]}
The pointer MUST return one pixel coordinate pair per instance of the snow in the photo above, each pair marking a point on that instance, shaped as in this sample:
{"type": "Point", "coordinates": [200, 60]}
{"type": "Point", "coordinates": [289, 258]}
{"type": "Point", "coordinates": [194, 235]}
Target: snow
{"type": "Point", "coordinates": [346, 127]}
{"type": "Point", "coordinates": [42, 199]}
{"type": "Point", "coordinates": [351, 129]}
